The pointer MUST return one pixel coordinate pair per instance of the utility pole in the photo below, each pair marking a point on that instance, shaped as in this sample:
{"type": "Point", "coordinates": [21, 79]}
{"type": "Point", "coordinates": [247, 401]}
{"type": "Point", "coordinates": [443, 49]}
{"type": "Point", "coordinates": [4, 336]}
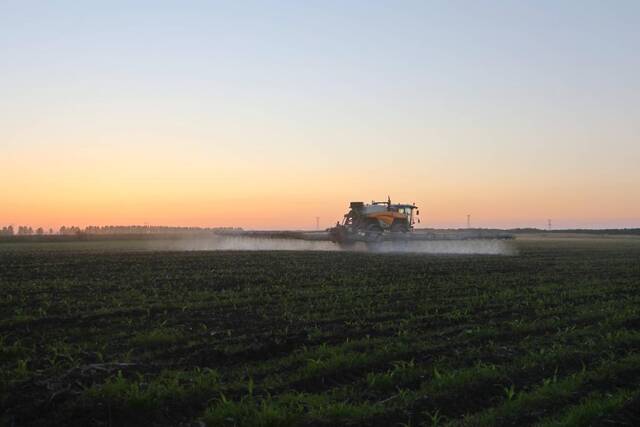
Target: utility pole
{"type": "Point", "coordinates": [317, 223]}
{"type": "Point", "coordinates": [549, 224]}
{"type": "Point", "coordinates": [468, 221]}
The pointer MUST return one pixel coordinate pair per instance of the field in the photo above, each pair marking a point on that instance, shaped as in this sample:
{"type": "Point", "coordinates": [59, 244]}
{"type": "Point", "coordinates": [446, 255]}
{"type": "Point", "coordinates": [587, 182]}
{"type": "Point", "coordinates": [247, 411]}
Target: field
{"type": "Point", "coordinates": [105, 334]}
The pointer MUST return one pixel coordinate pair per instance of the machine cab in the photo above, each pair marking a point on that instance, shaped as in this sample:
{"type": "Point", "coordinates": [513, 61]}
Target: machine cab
{"type": "Point", "coordinates": [408, 210]}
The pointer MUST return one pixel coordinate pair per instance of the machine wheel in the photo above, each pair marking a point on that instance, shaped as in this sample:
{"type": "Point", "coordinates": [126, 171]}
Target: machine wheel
{"type": "Point", "coordinates": [399, 227]}
{"type": "Point", "coordinates": [374, 233]}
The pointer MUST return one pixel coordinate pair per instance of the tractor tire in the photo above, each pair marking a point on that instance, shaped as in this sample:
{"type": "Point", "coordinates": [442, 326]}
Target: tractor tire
{"type": "Point", "coordinates": [374, 233]}
{"type": "Point", "coordinates": [399, 227]}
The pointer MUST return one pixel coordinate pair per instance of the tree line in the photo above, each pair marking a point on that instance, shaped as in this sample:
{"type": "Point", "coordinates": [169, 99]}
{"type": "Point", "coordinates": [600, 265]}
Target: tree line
{"type": "Point", "coordinates": [24, 230]}
{"type": "Point", "coordinates": [108, 229]}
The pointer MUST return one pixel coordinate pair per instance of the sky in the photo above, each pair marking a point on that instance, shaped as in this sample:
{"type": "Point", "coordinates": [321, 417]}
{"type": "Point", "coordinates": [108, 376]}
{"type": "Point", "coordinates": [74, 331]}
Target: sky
{"type": "Point", "coordinates": [266, 115]}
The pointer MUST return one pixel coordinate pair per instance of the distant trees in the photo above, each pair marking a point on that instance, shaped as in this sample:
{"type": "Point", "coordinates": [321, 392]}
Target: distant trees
{"type": "Point", "coordinates": [153, 229]}
{"type": "Point", "coordinates": [70, 231]}
{"type": "Point", "coordinates": [23, 230]}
